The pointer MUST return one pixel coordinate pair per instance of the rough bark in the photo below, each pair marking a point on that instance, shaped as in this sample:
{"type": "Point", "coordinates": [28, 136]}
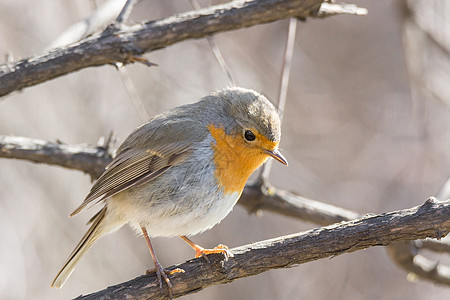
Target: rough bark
{"type": "Point", "coordinates": [89, 159]}
{"type": "Point", "coordinates": [432, 219]}
{"type": "Point", "coordinates": [125, 44]}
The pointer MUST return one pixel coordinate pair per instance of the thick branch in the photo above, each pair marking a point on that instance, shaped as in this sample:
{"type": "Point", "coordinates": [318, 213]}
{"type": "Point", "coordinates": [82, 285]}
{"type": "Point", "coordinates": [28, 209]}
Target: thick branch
{"type": "Point", "coordinates": [127, 44]}
{"type": "Point", "coordinates": [89, 159]}
{"type": "Point", "coordinates": [92, 160]}
{"type": "Point", "coordinates": [431, 219]}
{"type": "Point", "coordinates": [404, 254]}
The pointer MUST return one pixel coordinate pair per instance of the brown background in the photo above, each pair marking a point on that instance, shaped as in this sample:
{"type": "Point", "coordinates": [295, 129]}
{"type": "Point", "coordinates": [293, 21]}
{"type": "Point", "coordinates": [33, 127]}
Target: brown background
{"type": "Point", "coordinates": [353, 135]}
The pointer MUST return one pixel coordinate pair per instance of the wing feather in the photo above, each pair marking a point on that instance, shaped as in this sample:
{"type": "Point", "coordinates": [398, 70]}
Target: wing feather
{"type": "Point", "coordinates": [132, 167]}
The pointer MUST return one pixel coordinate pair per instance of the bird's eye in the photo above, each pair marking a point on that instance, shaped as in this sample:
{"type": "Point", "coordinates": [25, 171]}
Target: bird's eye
{"type": "Point", "coordinates": [249, 135]}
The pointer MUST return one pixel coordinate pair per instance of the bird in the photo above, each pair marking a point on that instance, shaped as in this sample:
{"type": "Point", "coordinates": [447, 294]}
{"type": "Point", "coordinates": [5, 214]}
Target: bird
{"type": "Point", "coordinates": [182, 172]}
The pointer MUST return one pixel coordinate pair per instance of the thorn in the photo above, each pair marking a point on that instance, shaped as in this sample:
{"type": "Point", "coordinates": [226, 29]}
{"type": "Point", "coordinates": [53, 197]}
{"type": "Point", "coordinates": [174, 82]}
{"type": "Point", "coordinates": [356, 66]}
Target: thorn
{"type": "Point", "coordinates": [431, 200]}
{"type": "Point", "coordinates": [142, 60]}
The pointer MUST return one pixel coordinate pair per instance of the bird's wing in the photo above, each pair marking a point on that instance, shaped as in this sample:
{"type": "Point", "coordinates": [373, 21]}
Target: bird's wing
{"type": "Point", "coordinates": [135, 166]}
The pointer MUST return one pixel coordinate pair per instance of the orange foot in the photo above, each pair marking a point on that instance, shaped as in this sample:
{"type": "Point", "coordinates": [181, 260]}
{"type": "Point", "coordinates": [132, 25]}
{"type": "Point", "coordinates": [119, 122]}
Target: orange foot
{"type": "Point", "coordinates": [200, 251]}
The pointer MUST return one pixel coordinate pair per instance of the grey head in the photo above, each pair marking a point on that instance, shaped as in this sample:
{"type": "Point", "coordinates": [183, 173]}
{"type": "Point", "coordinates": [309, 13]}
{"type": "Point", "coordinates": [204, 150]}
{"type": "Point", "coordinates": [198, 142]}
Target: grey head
{"type": "Point", "coordinates": [245, 108]}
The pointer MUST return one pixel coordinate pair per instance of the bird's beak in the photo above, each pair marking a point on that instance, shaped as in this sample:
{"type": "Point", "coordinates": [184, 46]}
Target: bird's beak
{"type": "Point", "coordinates": [277, 156]}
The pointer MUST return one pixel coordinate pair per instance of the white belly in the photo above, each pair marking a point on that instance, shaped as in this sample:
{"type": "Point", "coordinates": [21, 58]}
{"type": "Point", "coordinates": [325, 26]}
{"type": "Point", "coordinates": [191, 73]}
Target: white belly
{"type": "Point", "coordinates": [195, 222]}
{"type": "Point", "coordinates": [189, 222]}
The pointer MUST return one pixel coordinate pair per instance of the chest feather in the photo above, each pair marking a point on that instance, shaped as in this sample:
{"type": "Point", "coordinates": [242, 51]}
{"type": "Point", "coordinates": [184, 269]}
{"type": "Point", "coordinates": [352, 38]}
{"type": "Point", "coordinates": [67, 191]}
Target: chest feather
{"type": "Point", "coordinates": [234, 160]}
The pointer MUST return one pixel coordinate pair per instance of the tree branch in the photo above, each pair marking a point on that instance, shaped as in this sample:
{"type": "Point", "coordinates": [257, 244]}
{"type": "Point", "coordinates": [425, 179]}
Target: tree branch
{"type": "Point", "coordinates": [432, 219]}
{"type": "Point", "coordinates": [104, 15]}
{"type": "Point", "coordinates": [92, 160]}
{"type": "Point", "coordinates": [89, 159]}
{"type": "Point", "coordinates": [122, 44]}
{"type": "Point", "coordinates": [332, 9]}
{"type": "Point", "coordinates": [125, 12]}
{"type": "Point", "coordinates": [256, 197]}
{"type": "Point", "coordinates": [405, 255]}
{"type": "Point", "coordinates": [433, 245]}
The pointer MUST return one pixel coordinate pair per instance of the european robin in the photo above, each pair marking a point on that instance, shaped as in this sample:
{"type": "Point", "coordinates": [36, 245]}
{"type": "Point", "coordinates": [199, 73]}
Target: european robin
{"type": "Point", "coordinates": [182, 172]}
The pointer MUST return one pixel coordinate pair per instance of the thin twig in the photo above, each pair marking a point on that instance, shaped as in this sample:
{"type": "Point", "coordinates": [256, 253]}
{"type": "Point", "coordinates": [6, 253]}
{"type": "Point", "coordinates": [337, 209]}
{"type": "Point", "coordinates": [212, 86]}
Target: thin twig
{"type": "Point", "coordinates": [216, 51]}
{"type": "Point", "coordinates": [220, 60]}
{"type": "Point", "coordinates": [287, 65]}
{"type": "Point", "coordinates": [284, 84]}
{"type": "Point", "coordinates": [101, 17]}
{"type": "Point", "coordinates": [444, 192]}
{"type": "Point", "coordinates": [125, 13]}
{"type": "Point", "coordinates": [132, 93]}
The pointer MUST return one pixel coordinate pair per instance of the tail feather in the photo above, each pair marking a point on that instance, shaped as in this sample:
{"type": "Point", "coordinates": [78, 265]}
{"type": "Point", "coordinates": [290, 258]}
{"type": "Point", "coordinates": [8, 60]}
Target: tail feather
{"type": "Point", "coordinates": [93, 234]}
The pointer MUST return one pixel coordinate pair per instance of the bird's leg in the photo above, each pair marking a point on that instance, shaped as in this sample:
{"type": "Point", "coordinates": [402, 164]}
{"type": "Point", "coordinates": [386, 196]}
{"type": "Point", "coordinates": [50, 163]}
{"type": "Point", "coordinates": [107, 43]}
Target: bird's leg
{"type": "Point", "coordinates": [159, 269]}
{"type": "Point", "coordinates": [200, 251]}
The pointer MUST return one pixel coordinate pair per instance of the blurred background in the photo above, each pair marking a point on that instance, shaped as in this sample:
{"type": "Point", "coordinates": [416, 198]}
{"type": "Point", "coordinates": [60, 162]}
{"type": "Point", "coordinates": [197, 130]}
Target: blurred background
{"type": "Point", "coordinates": [362, 131]}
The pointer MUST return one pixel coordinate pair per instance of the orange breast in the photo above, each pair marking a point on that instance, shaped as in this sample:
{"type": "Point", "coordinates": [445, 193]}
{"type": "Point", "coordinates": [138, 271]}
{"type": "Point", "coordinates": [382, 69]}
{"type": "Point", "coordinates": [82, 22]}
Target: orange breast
{"type": "Point", "coordinates": [235, 159]}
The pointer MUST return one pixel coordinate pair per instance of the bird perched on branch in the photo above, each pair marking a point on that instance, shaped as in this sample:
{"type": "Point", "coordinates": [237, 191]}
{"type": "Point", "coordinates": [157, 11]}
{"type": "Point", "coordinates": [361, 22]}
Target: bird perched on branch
{"type": "Point", "coordinates": [182, 172]}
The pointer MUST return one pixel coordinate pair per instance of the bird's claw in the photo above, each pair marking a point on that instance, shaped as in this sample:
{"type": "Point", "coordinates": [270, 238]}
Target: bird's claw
{"type": "Point", "coordinates": [162, 273]}
{"type": "Point", "coordinates": [219, 249]}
